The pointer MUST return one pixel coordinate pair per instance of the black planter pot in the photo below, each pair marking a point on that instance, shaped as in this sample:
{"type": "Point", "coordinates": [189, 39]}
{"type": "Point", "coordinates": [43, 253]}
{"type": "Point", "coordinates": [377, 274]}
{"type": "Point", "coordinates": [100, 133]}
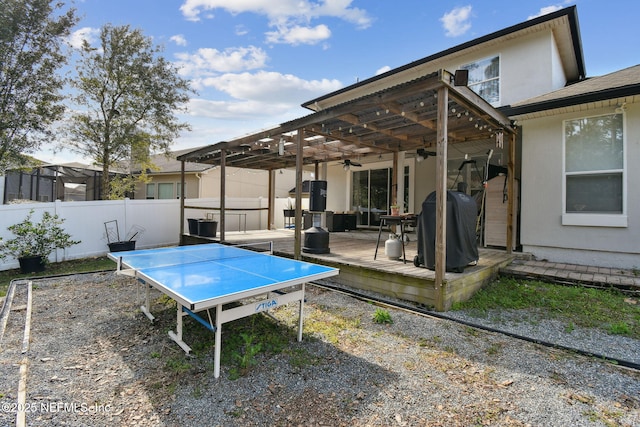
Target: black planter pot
{"type": "Point", "coordinates": [207, 228]}
{"type": "Point", "coordinates": [122, 246]}
{"type": "Point", "coordinates": [31, 264]}
{"type": "Point", "coordinates": [193, 226]}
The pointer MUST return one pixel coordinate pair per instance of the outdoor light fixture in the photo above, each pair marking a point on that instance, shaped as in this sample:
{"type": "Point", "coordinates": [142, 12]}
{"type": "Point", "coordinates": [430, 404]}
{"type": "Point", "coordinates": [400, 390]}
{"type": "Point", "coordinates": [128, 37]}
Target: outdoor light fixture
{"type": "Point", "coordinates": [281, 147]}
{"type": "Point", "coordinates": [461, 78]}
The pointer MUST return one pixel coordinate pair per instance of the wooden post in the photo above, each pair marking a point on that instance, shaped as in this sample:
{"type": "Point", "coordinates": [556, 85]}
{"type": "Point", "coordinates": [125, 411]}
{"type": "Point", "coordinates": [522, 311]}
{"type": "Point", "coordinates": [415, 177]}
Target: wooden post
{"type": "Point", "coordinates": [441, 197]}
{"type": "Point", "coordinates": [223, 185]}
{"type": "Point", "coordinates": [297, 248]}
{"type": "Point", "coordinates": [182, 196]}
{"type": "Point", "coordinates": [511, 181]}
{"type": "Point", "coordinates": [272, 200]}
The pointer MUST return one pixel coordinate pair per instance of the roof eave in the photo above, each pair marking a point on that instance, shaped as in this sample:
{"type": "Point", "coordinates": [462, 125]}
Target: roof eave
{"type": "Point", "coordinates": [569, 101]}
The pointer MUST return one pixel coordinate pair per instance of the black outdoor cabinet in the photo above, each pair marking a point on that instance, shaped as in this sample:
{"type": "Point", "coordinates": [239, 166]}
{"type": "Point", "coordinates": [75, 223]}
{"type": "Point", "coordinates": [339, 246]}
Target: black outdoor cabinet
{"type": "Point", "coordinates": [462, 249]}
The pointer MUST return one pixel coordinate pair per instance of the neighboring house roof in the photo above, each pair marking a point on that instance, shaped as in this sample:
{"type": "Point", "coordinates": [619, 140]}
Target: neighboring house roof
{"type": "Point", "coordinates": [564, 24]}
{"type": "Point", "coordinates": [169, 164]}
{"type": "Point", "coordinates": [611, 89]}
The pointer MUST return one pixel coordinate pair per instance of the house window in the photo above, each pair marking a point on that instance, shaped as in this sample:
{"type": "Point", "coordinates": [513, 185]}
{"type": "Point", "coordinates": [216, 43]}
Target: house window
{"type": "Point", "coordinates": [594, 171]}
{"type": "Point", "coordinates": [151, 191]}
{"type": "Point", "coordinates": [165, 190]}
{"type": "Point", "coordinates": [178, 190]}
{"type": "Point", "coordinates": [484, 78]}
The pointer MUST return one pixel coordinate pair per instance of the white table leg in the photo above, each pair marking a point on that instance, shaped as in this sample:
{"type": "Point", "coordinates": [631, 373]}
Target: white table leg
{"type": "Point", "coordinates": [218, 343]}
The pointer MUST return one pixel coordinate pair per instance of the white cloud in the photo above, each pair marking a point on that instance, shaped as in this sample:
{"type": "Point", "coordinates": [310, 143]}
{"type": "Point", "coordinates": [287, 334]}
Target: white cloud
{"type": "Point", "coordinates": [546, 10]}
{"type": "Point", "coordinates": [241, 30]}
{"type": "Point", "coordinates": [456, 22]}
{"type": "Point", "coordinates": [179, 40]}
{"type": "Point", "coordinates": [86, 33]}
{"type": "Point", "coordinates": [299, 35]}
{"type": "Point", "coordinates": [290, 18]}
{"type": "Point", "coordinates": [236, 110]}
{"type": "Point", "coordinates": [383, 70]}
{"type": "Point", "coordinates": [270, 87]}
{"type": "Point", "coordinates": [208, 61]}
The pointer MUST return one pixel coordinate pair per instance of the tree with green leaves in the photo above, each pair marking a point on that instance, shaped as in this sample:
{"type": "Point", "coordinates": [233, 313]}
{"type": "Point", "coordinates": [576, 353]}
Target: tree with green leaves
{"type": "Point", "coordinates": [32, 33]}
{"type": "Point", "coordinates": [128, 97]}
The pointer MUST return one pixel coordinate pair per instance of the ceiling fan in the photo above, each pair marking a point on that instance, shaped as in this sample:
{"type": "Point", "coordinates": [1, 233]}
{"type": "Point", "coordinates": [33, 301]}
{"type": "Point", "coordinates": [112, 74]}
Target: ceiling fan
{"type": "Point", "coordinates": [348, 163]}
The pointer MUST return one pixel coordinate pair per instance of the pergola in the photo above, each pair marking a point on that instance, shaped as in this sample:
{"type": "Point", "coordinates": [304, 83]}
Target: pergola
{"type": "Point", "coordinates": [429, 112]}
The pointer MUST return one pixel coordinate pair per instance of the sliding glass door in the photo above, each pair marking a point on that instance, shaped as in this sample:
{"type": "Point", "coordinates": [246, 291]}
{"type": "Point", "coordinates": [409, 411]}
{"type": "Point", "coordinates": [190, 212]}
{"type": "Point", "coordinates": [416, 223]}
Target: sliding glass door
{"type": "Point", "coordinates": [370, 195]}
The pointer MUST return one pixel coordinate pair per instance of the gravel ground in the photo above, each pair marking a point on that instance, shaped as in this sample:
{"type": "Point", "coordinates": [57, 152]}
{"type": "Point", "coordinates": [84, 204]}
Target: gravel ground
{"type": "Point", "coordinates": [95, 360]}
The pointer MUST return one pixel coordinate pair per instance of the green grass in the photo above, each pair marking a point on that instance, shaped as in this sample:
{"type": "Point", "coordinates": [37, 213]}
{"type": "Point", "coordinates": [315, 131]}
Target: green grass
{"type": "Point", "coordinates": [606, 309]}
{"type": "Point", "coordinates": [67, 267]}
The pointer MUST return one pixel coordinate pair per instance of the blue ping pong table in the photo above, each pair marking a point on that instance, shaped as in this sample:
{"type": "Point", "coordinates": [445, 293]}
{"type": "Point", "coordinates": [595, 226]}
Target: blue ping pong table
{"type": "Point", "coordinates": [202, 277]}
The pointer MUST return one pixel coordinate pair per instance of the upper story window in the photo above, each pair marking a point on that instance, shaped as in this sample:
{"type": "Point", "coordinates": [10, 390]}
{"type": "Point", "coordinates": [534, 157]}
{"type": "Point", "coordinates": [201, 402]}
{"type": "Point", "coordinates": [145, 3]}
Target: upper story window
{"type": "Point", "coordinates": [594, 171]}
{"type": "Point", "coordinates": [484, 78]}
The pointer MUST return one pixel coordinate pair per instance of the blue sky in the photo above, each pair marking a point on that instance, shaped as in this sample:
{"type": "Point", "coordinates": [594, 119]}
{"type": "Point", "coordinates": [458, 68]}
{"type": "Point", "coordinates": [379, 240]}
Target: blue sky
{"type": "Point", "coordinates": [253, 62]}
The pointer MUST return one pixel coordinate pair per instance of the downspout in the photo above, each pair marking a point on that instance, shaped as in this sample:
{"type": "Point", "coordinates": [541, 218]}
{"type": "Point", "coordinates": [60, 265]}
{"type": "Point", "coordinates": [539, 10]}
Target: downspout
{"type": "Point", "coordinates": [199, 185]}
{"type": "Point", "coordinates": [511, 180]}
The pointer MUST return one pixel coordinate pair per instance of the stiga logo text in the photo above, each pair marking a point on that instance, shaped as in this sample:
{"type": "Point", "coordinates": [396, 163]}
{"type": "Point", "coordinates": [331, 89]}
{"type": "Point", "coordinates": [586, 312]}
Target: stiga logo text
{"type": "Point", "coordinates": [266, 305]}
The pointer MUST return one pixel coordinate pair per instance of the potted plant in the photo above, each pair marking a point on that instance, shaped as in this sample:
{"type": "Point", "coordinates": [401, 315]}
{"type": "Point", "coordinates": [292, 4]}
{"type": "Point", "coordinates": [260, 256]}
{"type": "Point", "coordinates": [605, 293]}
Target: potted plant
{"type": "Point", "coordinates": [395, 210]}
{"type": "Point", "coordinates": [35, 241]}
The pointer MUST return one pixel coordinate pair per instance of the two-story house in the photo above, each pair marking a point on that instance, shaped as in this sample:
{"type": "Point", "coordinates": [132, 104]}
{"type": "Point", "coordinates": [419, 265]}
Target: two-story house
{"type": "Point", "coordinates": [391, 139]}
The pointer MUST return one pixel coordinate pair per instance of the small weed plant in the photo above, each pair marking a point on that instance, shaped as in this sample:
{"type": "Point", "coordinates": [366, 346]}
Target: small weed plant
{"type": "Point", "coordinates": [382, 316]}
{"type": "Point", "coordinates": [246, 356]}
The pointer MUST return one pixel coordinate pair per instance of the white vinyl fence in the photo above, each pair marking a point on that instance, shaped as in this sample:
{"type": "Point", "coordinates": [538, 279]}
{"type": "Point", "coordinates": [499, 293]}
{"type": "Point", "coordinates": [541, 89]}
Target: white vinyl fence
{"type": "Point", "coordinates": [156, 222]}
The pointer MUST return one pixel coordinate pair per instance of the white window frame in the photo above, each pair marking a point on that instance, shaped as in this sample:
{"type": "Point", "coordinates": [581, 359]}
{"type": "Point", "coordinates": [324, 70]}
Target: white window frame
{"type": "Point", "coordinates": [164, 184]}
{"type": "Point", "coordinates": [499, 78]}
{"type": "Point", "coordinates": [595, 219]}
{"type": "Point", "coordinates": [155, 189]}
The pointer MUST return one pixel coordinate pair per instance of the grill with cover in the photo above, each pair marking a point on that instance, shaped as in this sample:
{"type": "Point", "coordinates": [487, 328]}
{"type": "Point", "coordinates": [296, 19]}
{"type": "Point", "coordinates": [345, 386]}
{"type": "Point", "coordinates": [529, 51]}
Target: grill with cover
{"type": "Point", "coordinates": [462, 248]}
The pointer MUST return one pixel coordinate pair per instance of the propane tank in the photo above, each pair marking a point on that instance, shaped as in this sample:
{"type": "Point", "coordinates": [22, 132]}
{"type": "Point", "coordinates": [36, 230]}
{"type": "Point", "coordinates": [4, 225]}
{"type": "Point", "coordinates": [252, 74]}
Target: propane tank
{"type": "Point", "coordinates": [393, 247]}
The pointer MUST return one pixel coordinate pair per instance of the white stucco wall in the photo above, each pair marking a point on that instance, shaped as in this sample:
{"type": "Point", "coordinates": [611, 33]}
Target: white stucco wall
{"type": "Point", "coordinates": [533, 59]}
{"type": "Point", "coordinates": [542, 232]}
{"type": "Point", "coordinates": [528, 59]}
{"type": "Point", "coordinates": [338, 188]}
{"type": "Point", "coordinates": [424, 182]}
{"type": "Point", "coordinates": [250, 182]}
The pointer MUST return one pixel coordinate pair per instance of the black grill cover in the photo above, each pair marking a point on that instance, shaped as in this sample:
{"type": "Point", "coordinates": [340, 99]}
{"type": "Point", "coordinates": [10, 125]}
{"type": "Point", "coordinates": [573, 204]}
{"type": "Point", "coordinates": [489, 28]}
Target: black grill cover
{"type": "Point", "coordinates": [462, 248]}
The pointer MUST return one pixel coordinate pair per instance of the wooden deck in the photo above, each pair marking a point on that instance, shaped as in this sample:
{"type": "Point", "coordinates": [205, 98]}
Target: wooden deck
{"type": "Point", "coordinates": [353, 252]}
